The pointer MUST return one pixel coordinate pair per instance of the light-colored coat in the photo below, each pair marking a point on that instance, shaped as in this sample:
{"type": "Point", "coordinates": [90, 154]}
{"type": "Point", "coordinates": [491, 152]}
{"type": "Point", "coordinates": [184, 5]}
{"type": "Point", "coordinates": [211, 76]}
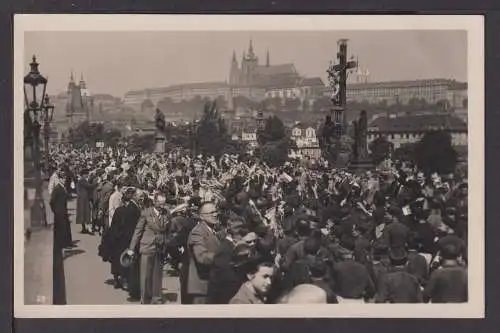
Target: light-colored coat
{"type": "Point", "coordinates": [245, 296]}
{"type": "Point", "coordinates": [115, 201]}
{"type": "Point", "coordinates": [202, 245]}
{"type": "Point", "coordinates": [150, 233]}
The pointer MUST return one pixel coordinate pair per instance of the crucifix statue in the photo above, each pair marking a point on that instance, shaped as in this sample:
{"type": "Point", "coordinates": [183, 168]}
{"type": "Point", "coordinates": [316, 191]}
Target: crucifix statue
{"type": "Point", "coordinates": [337, 77]}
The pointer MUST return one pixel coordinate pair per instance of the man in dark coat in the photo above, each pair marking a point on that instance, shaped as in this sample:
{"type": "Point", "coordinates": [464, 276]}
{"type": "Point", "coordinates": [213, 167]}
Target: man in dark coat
{"type": "Point", "coordinates": [58, 204]}
{"type": "Point", "coordinates": [224, 281]}
{"type": "Point", "coordinates": [120, 234]}
{"type": "Point", "coordinates": [448, 284]}
{"type": "Point", "coordinates": [352, 280]}
{"type": "Point", "coordinates": [396, 235]}
{"type": "Point", "coordinates": [84, 190]}
{"type": "Point", "coordinates": [398, 286]}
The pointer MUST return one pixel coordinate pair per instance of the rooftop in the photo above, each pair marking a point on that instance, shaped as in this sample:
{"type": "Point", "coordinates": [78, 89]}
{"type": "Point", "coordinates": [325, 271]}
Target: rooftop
{"type": "Point", "coordinates": [418, 123]}
{"type": "Point", "coordinates": [452, 84]}
{"type": "Point", "coordinates": [312, 81]}
{"type": "Point", "coordinates": [276, 70]}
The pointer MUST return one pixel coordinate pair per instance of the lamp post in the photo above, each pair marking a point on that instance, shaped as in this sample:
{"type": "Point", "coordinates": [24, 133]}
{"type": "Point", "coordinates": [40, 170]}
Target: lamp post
{"type": "Point", "coordinates": [36, 111]}
{"type": "Point", "coordinates": [47, 119]}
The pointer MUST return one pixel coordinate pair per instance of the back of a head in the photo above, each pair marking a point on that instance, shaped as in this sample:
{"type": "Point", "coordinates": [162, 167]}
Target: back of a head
{"type": "Point", "coordinates": [305, 294]}
{"type": "Point", "coordinates": [312, 245]}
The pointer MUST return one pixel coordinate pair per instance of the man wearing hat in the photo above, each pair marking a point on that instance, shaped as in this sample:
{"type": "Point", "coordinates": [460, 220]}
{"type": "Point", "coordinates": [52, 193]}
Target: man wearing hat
{"type": "Point", "coordinates": [58, 204]}
{"type": "Point", "coordinates": [448, 284]}
{"type": "Point", "coordinates": [224, 282]}
{"type": "Point", "coordinates": [149, 242]}
{"type": "Point", "coordinates": [120, 234]}
{"type": "Point", "coordinates": [84, 192]}
{"type": "Point", "coordinates": [397, 285]}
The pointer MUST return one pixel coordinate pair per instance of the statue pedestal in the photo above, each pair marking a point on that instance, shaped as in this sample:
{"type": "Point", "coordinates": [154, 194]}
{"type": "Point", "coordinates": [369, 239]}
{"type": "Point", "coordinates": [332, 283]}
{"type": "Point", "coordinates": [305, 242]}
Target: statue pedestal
{"type": "Point", "coordinates": [159, 143]}
{"type": "Point", "coordinates": [361, 165]}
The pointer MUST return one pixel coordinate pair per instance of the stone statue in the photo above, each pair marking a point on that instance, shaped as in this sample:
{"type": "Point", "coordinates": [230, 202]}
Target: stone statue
{"type": "Point", "coordinates": [160, 120]}
{"type": "Point", "coordinates": [360, 137]}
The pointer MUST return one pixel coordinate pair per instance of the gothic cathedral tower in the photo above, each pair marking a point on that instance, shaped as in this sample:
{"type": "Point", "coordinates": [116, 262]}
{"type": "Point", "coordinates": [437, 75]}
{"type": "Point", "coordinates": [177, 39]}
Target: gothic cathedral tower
{"type": "Point", "coordinates": [252, 61]}
{"type": "Point", "coordinates": [234, 72]}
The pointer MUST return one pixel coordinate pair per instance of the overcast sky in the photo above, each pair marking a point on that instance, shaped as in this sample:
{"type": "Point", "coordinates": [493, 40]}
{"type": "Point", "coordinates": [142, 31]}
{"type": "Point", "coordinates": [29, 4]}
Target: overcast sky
{"type": "Point", "coordinates": [115, 62]}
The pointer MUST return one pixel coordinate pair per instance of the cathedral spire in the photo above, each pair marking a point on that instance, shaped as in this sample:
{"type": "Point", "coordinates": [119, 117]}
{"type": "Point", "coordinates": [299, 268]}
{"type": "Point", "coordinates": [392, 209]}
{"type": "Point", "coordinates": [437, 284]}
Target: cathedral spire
{"type": "Point", "coordinates": [250, 49]}
{"type": "Point", "coordinates": [71, 78]}
{"type": "Point", "coordinates": [234, 56]}
{"type": "Point", "coordinates": [267, 58]}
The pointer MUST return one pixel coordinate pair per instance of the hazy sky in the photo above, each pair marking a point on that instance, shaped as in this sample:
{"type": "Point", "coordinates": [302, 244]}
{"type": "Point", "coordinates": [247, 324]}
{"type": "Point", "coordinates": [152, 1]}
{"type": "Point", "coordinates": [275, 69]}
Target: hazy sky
{"type": "Point", "coordinates": [115, 62]}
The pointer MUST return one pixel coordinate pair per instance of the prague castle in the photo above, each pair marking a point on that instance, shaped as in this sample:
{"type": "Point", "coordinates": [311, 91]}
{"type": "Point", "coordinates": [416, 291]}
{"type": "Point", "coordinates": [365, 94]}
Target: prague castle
{"type": "Point", "coordinates": [250, 78]}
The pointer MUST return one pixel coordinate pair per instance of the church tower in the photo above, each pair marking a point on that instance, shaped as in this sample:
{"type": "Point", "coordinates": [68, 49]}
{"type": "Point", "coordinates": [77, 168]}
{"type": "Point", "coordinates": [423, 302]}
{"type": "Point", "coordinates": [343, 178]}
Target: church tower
{"type": "Point", "coordinates": [252, 61]}
{"type": "Point", "coordinates": [234, 72]}
{"type": "Point", "coordinates": [69, 94]}
{"type": "Point", "coordinates": [267, 58]}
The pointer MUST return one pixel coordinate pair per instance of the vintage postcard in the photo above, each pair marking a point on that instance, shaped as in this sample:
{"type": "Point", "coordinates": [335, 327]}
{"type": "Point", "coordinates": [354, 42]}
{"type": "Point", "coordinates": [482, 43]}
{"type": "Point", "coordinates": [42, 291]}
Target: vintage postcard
{"type": "Point", "coordinates": [249, 166]}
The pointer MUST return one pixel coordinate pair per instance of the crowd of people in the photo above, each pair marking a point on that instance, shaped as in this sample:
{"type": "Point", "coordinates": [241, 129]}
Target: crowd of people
{"type": "Point", "coordinates": [237, 231]}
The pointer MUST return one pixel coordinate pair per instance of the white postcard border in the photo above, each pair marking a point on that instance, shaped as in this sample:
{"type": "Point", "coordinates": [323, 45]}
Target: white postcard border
{"type": "Point", "coordinates": [474, 25]}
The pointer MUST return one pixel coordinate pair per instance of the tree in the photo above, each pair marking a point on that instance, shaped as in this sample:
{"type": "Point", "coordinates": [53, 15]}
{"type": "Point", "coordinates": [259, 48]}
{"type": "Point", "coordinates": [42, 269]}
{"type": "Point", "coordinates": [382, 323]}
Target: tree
{"type": "Point", "coordinates": [306, 105]}
{"type": "Point", "coordinates": [89, 133]}
{"type": "Point", "coordinates": [211, 135]}
{"type": "Point", "coordinates": [275, 153]}
{"type": "Point", "coordinates": [292, 104]}
{"type": "Point", "coordinates": [273, 103]}
{"type": "Point", "coordinates": [380, 149]}
{"type": "Point", "coordinates": [274, 130]}
{"type": "Point", "coordinates": [244, 102]}
{"type": "Point", "coordinates": [321, 104]}
{"type": "Point", "coordinates": [141, 143]}
{"type": "Point", "coordinates": [220, 102]}
{"type": "Point", "coordinates": [435, 153]}
{"type": "Point", "coordinates": [465, 103]}
{"type": "Point", "coordinates": [405, 152]}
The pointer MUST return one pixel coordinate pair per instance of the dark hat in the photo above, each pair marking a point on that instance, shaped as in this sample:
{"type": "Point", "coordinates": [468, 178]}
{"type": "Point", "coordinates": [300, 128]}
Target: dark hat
{"type": "Point", "coordinates": [398, 256]}
{"type": "Point", "coordinates": [242, 255]}
{"type": "Point", "coordinates": [126, 260]}
{"type": "Point", "coordinates": [450, 251]}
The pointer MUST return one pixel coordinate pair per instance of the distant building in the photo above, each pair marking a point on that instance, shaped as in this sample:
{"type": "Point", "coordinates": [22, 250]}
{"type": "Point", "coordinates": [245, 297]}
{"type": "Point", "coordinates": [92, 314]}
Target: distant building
{"type": "Point", "coordinates": [249, 78]}
{"type": "Point", "coordinates": [411, 128]}
{"type": "Point", "coordinates": [304, 136]}
{"type": "Point", "coordinates": [393, 92]}
{"type": "Point", "coordinates": [79, 101]}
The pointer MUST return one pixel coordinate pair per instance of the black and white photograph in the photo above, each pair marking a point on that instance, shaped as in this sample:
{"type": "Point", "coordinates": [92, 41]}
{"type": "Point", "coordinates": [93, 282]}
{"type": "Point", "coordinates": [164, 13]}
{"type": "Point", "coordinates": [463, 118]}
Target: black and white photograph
{"type": "Point", "coordinates": [306, 166]}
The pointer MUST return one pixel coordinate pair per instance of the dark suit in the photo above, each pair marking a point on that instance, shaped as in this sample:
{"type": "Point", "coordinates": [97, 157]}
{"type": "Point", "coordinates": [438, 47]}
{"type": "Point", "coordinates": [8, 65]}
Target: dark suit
{"type": "Point", "coordinates": [58, 204]}
{"type": "Point", "coordinates": [149, 240]}
{"type": "Point", "coordinates": [202, 246]}
{"type": "Point", "coordinates": [399, 286]}
{"type": "Point", "coordinates": [224, 280]}
{"type": "Point", "coordinates": [120, 234]}
{"type": "Point", "coordinates": [396, 235]}
{"type": "Point", "coordinates": [417, 266]}
{"type": "Point", "coordinates": [353, 280]}
{"type": "Point", "coordinates": [447, 284]}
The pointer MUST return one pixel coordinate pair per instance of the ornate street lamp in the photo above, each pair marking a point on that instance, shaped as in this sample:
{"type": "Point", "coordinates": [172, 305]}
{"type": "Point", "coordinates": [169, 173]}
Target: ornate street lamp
{"type": "Point", "coordinates": [34, 95]}
{"type": "Point", "coordinates": [48, 115]}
